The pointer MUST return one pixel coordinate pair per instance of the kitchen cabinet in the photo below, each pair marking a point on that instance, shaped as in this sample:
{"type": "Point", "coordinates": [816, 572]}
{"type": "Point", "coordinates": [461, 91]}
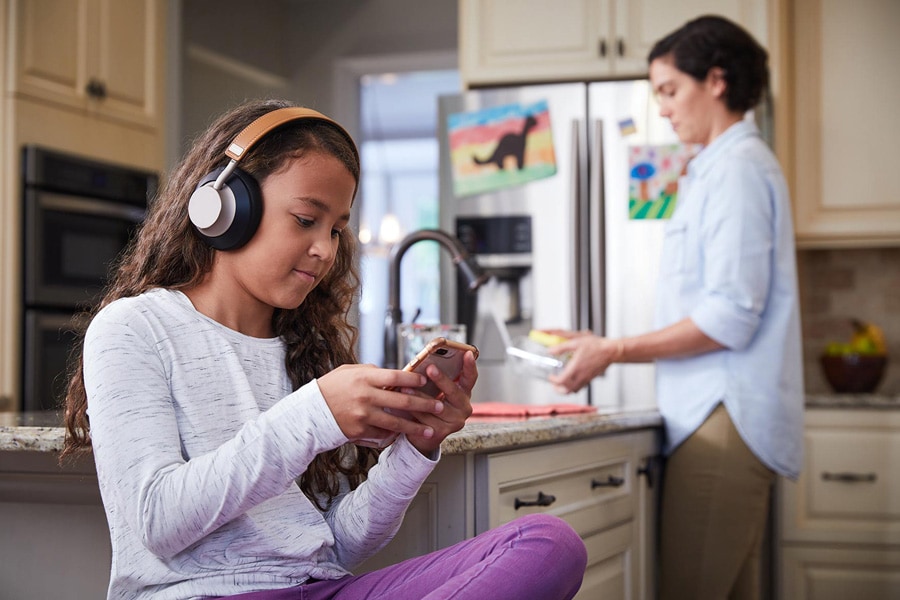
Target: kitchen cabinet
{"type": "Point", "coordinates": [80, 76]}
{"type": "Point", "coordinates": [603, 486]}
{"type": "Point", "coordinates": [533, 41]}
{"type": "Point", "coordinates": [101, 58]}
{"type": "Point", "coordinates": [591, 464]}
{"type": "Point", "coordinates": [844, 128]}
{"type": "Point", "coordinates": [839, 524]}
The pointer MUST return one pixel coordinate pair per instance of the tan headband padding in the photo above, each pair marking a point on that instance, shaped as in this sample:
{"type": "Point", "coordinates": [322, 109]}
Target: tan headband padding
{"type": "Point", "coordinates": [255, 131]}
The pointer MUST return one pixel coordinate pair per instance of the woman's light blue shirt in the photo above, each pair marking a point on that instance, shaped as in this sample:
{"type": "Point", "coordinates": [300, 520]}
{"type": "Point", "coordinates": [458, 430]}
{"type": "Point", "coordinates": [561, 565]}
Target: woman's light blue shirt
{"type": "Point", "coordinates": [729, 264]}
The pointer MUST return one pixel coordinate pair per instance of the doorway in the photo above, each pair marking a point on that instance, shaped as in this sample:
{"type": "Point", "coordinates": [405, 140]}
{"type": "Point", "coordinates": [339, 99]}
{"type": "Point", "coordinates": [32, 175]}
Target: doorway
{"type": "Point", "coordinates": [396, 130]}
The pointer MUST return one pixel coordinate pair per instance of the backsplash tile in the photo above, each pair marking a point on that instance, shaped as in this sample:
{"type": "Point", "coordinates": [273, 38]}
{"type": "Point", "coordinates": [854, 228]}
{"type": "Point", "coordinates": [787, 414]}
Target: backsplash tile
{"type": "Point", "coordinates": [838, 285]}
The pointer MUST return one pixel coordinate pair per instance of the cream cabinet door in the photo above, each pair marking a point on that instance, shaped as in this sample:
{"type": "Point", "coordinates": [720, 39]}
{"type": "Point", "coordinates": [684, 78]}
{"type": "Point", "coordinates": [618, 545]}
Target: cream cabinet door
{"type": "Point", "coordinates": [103, 57]}
{"type": "Point", "coordinates": [520, 41]}
{"type": "Point", "coordinates": [599, 486]}
{"type": "Point", "coordinates": [640, 23]}
{"type": "Point", "coordinates": [845, 101]}
{"type": "Point", "coordinates": [849, 489]}
{"type": "Point", "coordinates": [839, 524]}
{"type": "Point", "coordinates": [532, 41]}
{"type": "Point", "coordinates": [840, 574]}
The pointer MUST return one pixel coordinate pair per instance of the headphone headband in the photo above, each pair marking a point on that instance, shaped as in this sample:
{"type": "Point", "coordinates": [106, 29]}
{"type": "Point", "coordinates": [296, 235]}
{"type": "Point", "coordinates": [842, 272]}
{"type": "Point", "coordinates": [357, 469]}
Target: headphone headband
{"type": "Point", "coordinates": [256, 130]}
{"type": "Point", "coordinates": [226, 206]}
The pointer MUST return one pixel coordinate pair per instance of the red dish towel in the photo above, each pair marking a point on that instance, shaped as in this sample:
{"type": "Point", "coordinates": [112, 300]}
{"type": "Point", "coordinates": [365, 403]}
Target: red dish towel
{"type": "Point", "coordinates": [505, 409]}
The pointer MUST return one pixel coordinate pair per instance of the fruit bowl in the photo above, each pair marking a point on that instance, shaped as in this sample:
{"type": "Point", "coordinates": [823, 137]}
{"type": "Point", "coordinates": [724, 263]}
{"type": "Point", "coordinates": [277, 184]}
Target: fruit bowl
{"type": "Point", "coordinates": [854, 373]}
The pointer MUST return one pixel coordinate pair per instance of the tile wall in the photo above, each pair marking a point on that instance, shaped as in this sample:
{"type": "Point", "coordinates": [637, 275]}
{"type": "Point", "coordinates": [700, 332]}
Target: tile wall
{"type": "Point", "coordinates": [837, 285]}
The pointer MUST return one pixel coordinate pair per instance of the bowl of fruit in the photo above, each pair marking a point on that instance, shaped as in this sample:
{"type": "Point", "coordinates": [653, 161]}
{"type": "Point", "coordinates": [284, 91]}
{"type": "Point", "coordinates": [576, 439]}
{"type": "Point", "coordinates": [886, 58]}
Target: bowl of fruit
{"type": "Point", "coordinates": [857, 366]}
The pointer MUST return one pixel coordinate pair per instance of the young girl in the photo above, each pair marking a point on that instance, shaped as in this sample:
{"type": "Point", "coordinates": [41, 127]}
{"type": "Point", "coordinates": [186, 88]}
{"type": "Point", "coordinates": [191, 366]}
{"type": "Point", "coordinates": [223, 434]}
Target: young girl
{"type": "Point", "coordinates": [224, 403]}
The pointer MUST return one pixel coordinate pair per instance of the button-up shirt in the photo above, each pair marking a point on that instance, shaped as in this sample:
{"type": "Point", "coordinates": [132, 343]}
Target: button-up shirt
{"type": "Point", "coordinates": [729, 264]}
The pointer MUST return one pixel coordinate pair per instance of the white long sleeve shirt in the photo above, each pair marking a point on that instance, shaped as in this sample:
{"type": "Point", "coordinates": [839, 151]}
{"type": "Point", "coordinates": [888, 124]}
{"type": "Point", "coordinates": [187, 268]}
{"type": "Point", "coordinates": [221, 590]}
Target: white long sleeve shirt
{"type": "Point", "coordinates": [729, 265]}
{"type": "Point", "coordinates": [198, 439]}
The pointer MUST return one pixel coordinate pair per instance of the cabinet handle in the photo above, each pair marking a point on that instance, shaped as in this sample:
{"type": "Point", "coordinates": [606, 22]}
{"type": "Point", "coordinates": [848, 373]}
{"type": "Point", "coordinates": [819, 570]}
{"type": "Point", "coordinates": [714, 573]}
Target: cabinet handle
{"type": "Point", "coordinates": [611, 481]}
{"type": "Point", "coordinates": [850, 477]}
{"type": "Point", "coordinates": [620, 46]}
{"type": "Point", "coordinates": [602, 47]}
{"type": "Point", "coordinates": [648, 472]}
{"type": "Point", "coordinates": [542, 500]}
{"type": "Point", "coordinates": [96, 89]}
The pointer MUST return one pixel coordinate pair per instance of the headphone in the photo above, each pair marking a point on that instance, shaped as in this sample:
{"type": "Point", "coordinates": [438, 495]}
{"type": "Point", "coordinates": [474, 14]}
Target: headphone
{"type": "Point", "coordinates": [226, 206]}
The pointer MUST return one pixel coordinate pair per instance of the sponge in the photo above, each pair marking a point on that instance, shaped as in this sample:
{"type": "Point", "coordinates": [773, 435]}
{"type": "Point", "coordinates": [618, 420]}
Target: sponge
{"type": "Point", "coordinates": [545, 339]}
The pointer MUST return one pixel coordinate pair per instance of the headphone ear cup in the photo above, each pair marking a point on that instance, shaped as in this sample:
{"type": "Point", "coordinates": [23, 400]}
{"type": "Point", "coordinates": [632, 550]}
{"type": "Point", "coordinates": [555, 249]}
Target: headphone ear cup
{"type": "Point", "coordinates": [227, 218]}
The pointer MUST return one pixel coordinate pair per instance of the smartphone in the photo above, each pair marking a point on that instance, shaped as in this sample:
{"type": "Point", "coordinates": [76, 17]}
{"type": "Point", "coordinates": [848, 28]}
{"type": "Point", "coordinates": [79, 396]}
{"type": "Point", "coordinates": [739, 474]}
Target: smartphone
{"type": "Point", "coordinates": [446, 355]}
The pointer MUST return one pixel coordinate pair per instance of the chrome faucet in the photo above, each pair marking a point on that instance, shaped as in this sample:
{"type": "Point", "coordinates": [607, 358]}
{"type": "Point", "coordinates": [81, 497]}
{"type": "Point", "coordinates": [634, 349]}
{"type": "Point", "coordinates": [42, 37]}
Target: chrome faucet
{"type": "Point", "coordinates": [466, 264]}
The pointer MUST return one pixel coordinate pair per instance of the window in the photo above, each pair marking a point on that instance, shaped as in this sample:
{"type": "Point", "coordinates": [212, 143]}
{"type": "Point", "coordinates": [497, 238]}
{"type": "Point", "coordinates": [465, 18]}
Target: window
{"type": "Point", "coordinates": [398, 195]}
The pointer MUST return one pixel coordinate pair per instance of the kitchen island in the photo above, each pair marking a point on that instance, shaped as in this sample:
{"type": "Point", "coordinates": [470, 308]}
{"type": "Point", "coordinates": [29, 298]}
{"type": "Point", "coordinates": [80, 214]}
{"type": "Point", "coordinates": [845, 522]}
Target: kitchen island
{"type": "Point", "coordinates": [600, 469]}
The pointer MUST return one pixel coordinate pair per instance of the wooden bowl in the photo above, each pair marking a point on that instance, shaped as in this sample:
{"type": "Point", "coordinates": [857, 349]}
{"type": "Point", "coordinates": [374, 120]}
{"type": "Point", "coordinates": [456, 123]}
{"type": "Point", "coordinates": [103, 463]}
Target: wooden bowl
{"type": "Point", "coordinates": [854, 373]}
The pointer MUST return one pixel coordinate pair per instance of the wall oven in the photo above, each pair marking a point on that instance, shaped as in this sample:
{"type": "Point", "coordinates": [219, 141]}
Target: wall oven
{"type": "Point", "coordinates": [78, 215]}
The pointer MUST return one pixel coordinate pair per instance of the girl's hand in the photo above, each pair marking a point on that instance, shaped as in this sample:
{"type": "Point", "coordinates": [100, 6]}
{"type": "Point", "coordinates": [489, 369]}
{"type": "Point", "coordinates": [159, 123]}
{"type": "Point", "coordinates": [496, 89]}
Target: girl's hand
{"type": "Point", "coordinates": [358, 394]}
{"type": "Point", "coordinates": [590, 357]}
{"type": "Point", "coordinates": [456, 397]}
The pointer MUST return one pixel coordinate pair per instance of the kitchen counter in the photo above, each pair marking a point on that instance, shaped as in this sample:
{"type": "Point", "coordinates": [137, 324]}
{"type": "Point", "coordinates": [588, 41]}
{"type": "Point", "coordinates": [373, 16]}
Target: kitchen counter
{"type": "Point", "coordinates": [42, 432]}
{"type": "Point", "coordinates": [873, 401]}
{"type": "Point", "coordinates": [39, 432]}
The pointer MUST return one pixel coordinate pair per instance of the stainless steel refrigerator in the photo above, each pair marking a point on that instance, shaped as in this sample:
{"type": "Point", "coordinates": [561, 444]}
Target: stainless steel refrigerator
{"type": "Point", "coordinates": [564, 246]}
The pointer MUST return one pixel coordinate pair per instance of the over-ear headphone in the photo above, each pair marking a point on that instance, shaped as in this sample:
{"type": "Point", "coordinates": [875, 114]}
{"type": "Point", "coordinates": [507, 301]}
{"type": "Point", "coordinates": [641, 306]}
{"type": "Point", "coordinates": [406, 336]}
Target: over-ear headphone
{"type": "Point", "coordinates": [226, 205]}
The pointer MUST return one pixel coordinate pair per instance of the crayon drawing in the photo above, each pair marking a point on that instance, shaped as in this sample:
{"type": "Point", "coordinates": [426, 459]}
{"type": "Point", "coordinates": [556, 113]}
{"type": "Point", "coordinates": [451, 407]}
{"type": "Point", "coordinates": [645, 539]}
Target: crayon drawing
{"type": "Point", "coordinates": [500, 147]}
{"type": "Point", "coordinates": [653, 179]}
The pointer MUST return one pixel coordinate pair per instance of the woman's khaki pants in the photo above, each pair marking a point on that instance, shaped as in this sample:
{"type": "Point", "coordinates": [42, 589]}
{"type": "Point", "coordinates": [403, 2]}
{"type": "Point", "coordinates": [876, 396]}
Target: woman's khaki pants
{"type": "Point", "coordinates": [714, 504]}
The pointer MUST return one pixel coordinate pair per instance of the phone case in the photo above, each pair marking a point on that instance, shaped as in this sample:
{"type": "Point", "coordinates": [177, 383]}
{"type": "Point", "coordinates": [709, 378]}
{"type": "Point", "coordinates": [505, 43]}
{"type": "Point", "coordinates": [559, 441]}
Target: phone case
{"type": "Point", "coordinates": [446, 355]}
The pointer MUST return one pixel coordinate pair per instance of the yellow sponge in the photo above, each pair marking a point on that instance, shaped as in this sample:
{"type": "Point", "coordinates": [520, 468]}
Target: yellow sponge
{"type": "Point", "coordinates": [545, 339]}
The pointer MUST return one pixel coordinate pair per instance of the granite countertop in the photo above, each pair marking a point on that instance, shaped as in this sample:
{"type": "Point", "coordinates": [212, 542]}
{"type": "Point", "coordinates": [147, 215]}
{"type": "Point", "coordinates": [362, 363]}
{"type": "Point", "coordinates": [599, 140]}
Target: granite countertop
{"type": "Point", "coordinates": [874, 401]}
{"type": "Point", "coordinates": [42, 432]}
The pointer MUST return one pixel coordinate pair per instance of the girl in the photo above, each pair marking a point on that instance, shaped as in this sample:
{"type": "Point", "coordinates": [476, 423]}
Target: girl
{"type": "Point", "coordinates": [727, 349]}
{"type": "Point", "coordinates": [224, 403]}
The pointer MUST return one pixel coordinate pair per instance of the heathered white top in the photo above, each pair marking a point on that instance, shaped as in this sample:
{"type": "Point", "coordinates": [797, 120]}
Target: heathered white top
{"type": "Point", "coordinates": [198, 440]}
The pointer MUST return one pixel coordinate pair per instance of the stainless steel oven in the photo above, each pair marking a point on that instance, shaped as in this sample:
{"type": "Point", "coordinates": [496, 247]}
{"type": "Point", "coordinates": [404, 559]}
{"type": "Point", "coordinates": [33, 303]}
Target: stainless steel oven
{"type": "Point", "coordinates": [78, 215]}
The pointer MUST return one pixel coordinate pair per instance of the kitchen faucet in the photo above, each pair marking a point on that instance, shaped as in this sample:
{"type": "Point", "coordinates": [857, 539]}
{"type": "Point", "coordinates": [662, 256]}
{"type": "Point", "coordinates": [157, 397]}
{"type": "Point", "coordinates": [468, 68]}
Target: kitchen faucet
{"type": "Point", "coordinates": [464, 262]}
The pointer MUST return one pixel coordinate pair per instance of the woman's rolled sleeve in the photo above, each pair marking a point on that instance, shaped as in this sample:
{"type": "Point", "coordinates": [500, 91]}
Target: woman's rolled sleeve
{"type": "Point", "coordinates": [725, 321]}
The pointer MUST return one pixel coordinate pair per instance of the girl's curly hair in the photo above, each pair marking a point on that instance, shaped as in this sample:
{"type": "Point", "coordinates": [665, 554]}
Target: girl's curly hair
{"type": "Point", "coordinates": [167, 252]}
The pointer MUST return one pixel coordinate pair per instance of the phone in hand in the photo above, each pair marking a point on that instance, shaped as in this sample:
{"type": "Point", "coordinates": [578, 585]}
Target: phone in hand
{"type": "Point", "coordinates": [446, 355]}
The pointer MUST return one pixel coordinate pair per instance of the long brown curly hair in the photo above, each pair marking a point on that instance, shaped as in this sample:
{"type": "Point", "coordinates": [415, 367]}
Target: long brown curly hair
{"type": "Point", "coordinates": [167, 252]}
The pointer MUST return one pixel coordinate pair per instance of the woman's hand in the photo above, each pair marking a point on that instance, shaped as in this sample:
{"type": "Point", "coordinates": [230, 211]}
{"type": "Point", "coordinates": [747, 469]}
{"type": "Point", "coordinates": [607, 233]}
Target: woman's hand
{"type": "Point", "coordinates": [590, 357]}
{"type": "Point", "coordinates": [456, 397]}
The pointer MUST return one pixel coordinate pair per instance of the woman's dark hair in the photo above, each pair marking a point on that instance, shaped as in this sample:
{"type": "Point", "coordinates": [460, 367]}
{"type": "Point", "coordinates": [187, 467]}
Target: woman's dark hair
{"type": "Point", "coordinates": [712, 41]}
{"type": "Point", "coordinates": [167, 252]}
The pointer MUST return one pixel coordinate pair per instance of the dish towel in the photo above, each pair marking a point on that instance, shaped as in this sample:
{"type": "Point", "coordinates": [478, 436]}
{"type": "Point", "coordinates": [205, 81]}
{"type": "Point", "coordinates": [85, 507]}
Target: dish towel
{"type": "Point", "coordinates": [505, 409]}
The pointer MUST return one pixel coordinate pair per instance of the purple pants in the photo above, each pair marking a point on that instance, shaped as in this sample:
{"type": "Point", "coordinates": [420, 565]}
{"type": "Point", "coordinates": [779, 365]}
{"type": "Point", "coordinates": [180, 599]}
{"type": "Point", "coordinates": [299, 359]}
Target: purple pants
{"type": "Point", "coordinates": [537, 557]}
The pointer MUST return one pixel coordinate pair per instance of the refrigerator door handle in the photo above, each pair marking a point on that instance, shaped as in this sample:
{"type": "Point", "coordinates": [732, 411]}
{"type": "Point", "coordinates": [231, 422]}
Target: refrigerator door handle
{"type": "Point", "coordinates": [597, 232]}
{"type": "Point", "coordinates": [579, 248]}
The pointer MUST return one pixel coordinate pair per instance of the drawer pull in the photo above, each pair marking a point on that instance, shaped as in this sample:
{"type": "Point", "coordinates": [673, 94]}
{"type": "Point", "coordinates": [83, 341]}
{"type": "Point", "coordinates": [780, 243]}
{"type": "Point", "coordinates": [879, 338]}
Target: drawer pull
{"type": "Point", "coordinates": [611, 481]}
{"type": "Point", "coordinates": [542, 500]}
{"type": "Point", "coordinates": [850, 477]}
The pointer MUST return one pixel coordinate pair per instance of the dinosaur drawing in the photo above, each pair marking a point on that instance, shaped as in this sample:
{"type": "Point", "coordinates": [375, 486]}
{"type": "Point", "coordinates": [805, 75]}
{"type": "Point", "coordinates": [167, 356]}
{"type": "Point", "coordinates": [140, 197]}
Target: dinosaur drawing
{"type": "Point", "coordinates": [511, 144]}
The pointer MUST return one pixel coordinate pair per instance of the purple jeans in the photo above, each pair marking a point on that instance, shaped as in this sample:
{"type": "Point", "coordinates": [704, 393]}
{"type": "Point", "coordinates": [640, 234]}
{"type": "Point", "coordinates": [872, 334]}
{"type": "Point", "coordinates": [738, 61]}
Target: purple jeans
{"type": "Point", "coordinates": [537, 557]}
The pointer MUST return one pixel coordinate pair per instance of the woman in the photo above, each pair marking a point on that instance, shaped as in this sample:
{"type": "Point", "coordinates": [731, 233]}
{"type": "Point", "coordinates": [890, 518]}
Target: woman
{"type": "Point", "coordinates": [224, 403]}
{"type": "Point", "coordinates": [727, 346]}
